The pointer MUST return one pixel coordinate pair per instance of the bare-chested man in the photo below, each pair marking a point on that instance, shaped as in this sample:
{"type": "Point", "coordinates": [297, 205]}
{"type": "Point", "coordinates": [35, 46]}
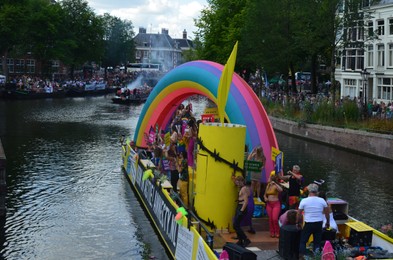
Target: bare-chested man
{"type": "Point", "coordinates": [241, 211]}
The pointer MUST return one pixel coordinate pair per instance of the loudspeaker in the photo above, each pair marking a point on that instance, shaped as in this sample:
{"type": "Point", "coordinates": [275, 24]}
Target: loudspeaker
{"type": "Point", "coordinates": [237, 252]}
{"type": "Point", "coordinates": [288, 244]}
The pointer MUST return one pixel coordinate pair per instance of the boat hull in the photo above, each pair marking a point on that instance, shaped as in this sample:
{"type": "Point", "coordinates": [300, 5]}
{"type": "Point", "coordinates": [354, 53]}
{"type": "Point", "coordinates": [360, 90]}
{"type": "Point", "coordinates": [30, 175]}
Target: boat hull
{"type": "Point", "coordinates": [181, 240]}
{"type": "Point", "coordinates": [129, 101]}
{"type": "Point", "coordinates": [24, 95]}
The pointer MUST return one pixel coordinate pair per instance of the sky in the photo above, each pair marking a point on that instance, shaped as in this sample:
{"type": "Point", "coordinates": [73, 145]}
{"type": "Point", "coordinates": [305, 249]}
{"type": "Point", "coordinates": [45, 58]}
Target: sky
{"type": "Point", "coordinates": [174, 15]}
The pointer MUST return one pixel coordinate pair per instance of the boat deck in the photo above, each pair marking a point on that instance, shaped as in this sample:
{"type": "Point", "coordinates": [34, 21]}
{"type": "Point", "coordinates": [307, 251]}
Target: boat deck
{"type": "Point", "coordinates": [264, 246]}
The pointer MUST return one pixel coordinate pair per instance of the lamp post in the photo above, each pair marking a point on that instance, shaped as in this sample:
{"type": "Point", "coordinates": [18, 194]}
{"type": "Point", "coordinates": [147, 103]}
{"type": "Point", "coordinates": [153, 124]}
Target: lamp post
{"type": "Point", "coordinates": [365, 75]}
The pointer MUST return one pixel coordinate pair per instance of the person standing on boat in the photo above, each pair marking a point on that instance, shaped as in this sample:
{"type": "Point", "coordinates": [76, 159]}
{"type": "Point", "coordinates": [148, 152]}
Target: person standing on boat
{"type": "Point", "coordinates": [295, 180]}
{"type": "Point", "coordinates": [247, 219]}
{"type": "Point", "coordinates": [256, 155]}
{"type": "Point", "coordinates": [241, 211]}
{"type": "Point", "coordinates": [183, 177]}
{"type": "Point", "coordinates": [315, 211]}
{"type": "Point", "coordinates": [273, 204]}
{"type": "Point", "coordinates": [172, 157]}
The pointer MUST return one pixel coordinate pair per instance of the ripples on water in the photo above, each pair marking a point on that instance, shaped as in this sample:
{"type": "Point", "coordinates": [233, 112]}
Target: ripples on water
{"type": "Point", "coordinates": [67, 198]}
{"type": "Point", "coordinates": [364, 182]}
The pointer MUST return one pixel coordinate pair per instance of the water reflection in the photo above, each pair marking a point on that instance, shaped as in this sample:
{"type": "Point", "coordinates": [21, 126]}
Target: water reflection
{"type": "Point", "coordinates": [68, 199]}
{"type": "Point", "coordinates": [366, 183]}
{"type": "Point", "coordinates": [66, 195]}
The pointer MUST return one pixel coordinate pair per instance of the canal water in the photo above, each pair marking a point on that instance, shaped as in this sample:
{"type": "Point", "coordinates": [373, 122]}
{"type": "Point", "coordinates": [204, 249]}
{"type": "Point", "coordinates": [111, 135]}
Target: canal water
{"type": "Point", "coordinates": [67, 197]}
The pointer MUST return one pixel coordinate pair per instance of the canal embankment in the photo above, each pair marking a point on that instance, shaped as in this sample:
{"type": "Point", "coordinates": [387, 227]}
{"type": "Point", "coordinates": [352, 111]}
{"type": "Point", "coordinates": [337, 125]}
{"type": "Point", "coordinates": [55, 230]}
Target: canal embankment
{"type": "Point", "coordinates": [3, 183]}
{"type": "Point", "coordinates": [366, 143]}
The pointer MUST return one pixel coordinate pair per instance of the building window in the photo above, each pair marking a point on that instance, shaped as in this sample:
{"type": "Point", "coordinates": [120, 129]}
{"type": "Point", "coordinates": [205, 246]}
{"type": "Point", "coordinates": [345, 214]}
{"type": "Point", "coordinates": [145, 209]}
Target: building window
{"type": "Point", "coordinates": [391, 26]}
{"type": "Point", "coordinates": [350, 64]}
{"type": "Point", "coordinates": [370, 56]}
{"type": "Point", "coordinates": [385, 88]}
{"type": "Point", "coordinates": [370, 29]}
{"type": "Point", "coordinates": [360, 33]}
{"type": "Point", "coordinates": [338, 59]}
{"type": "Point", "coordinates": [381, 27]}
{"type": "Point", "coordinates": [55, 66]}
{"type": "Point", "coordinates": [19, 66]}
{"type": "Point", "coordinates": [350, 88]}
{"type": "Point", "coordinates": [390, 55]}
{"type": "Point", "coordinates": [138, 54]}
{"type": "Point", "coordinates": [381, 55]}
{"type": "Point", "coordinates": [359, 59]}
{"type": "Point", "coordinates": [354, 59]}
{"type": "Point", "coordinates": [30, 66]}
{"type": "Point", "coordinates": [10, 65]}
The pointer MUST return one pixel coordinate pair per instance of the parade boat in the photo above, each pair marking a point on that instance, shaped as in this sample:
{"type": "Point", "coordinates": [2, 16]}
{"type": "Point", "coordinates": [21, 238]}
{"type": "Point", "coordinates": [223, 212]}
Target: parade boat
{"type": "Point", "coordinates": [203, 228]}
{"type": "Point", "coordinates": [212, 190]}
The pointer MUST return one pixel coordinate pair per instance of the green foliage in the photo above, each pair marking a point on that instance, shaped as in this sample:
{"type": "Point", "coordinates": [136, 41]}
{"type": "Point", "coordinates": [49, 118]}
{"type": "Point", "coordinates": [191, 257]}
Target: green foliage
{"type": "Point", "coordinates": [278, 35]}
{"type": "Point", "coordinates": [66, 30]}
{"type": "Point", "coordinates": [219, 28]}
{"type": "Point", "coordinates": [119, 46]}
{"type": "Point", "coordinates": [84, 29]}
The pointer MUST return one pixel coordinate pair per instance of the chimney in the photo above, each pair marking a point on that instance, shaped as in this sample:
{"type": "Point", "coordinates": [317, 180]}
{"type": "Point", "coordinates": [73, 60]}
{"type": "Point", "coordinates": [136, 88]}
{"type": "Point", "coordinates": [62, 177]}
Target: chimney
{"type": "Point", "coordinates": [142, 30]}
{"type": "Point", "coordinates": [185, 34]}
{"type": "Point", "coordinates": [164, 31]}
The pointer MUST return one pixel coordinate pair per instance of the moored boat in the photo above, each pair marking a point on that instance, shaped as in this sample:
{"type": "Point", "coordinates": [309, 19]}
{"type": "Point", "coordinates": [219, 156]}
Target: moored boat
{"type": "Point", "coordinates": [26, 94]}
{"type": "Point", "coordinates": [90, 89]}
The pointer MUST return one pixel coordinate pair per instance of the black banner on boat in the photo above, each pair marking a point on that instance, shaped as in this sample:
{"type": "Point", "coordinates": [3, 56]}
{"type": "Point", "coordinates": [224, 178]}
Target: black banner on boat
{"type": "Point", "coordinates": [157, 204]}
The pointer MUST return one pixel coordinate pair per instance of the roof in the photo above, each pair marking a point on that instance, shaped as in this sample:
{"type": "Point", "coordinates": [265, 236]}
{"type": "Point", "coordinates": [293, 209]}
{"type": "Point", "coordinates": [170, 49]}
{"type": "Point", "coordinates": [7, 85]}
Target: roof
{"type": "Point", "coordinates": [184, 43]}
{"type": "Point", "coordinates": [154, 40]}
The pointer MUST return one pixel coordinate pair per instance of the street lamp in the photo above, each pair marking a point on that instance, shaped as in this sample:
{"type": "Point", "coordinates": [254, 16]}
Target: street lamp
{"type": "Point", "coordinates": [365, 75]}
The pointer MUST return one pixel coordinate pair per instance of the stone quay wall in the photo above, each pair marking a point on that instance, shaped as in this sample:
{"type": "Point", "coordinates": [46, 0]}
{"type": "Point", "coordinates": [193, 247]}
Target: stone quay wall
{"type": "Point", "coordinates": [369, 144]}
{"type": "Point", "coordinates": [3, 183]}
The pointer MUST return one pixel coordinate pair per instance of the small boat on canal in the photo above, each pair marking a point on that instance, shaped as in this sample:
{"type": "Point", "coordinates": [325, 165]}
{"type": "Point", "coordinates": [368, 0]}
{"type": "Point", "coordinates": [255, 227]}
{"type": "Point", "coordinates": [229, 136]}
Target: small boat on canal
{"type": "Point", "coordinates": [203, 228]}
{"type": "Point", "coordinates": [130, 99]}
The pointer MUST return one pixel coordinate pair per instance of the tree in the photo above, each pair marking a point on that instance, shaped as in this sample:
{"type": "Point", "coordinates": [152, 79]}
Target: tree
{"type": "Point", "coordinates": [44, 33]}
{"type": "Point", "coordinates": [265, 40]}
{"type": "Point", "coordinates": [219, 27]}
{"type": "Point", "coordinates": [83, 34]}
{"type": "Point", "coordinates": [119, 45]}
{"type": "Point", "coordinates": [12, 28]}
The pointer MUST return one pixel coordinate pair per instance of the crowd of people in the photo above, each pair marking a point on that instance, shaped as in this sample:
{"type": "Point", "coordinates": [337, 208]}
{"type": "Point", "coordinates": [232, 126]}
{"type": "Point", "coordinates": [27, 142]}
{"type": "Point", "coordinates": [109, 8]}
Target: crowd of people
{"type": "Point", "coordinates": [172, 150]}
{"type": "Point", "coordinates": [44, 85]}
{"type": "Point", "coordinates": [378, 110]}
{"type": "Point", "coordinates": [289, 203]}
{"type": "Point", "coordinates": [296, 205]}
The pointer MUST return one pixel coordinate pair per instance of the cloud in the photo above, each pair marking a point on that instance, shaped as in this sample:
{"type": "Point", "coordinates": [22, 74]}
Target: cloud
{"type": "Point", "coordinates": [174, 15]}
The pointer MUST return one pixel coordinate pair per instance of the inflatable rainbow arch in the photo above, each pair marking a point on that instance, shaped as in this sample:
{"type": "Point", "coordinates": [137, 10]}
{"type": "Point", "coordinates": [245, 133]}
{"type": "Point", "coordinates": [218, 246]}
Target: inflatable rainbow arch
{"type": "Point", "coordinates": [202, 77]}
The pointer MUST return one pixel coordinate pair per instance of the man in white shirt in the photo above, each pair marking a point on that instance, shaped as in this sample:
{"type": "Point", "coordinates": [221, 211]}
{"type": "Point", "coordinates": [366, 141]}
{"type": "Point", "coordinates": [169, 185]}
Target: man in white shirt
{"type": "Point", "coordinates": [315, 210]}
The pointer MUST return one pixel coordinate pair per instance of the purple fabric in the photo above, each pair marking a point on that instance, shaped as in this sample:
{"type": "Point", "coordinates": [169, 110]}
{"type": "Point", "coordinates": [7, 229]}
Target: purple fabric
{"type": "Point", "coordinates": [190, 152]}
{"type": "Point", "coordinates": [247, 219]}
